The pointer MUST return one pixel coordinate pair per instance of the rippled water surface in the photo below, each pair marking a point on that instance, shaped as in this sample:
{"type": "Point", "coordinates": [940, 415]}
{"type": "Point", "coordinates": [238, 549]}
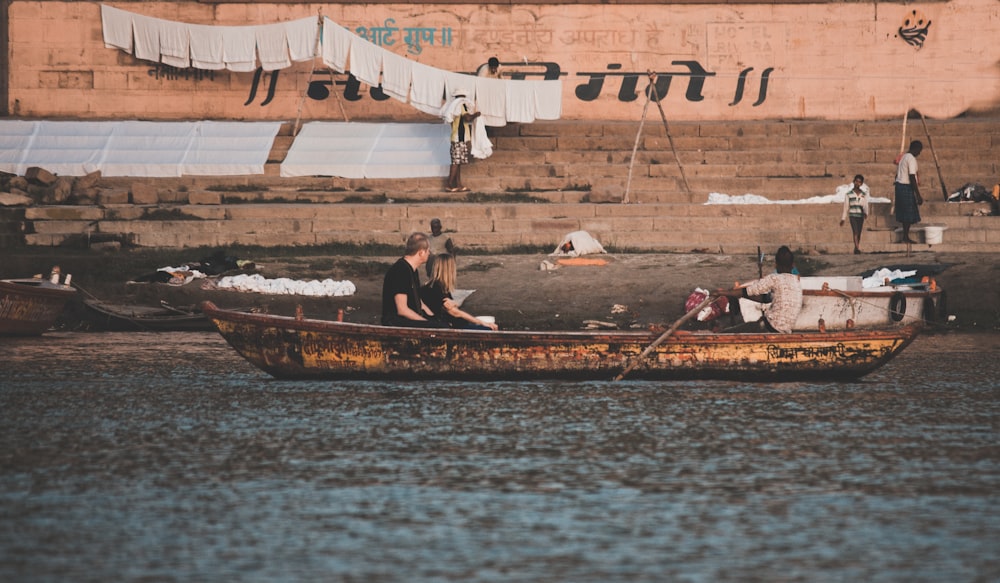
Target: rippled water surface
{"type": "Point", "coordinates": [166, 457]}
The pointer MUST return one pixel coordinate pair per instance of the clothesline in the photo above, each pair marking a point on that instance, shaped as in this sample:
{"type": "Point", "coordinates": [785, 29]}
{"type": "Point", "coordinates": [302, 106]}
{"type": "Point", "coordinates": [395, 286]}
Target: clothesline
{"type": "Point", "coordinates": [276, 46]}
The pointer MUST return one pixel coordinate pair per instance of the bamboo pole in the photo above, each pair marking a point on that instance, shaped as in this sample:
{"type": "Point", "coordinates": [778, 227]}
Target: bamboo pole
{"type": "Point", "coordinates": [663, 116]}
{"type": "Point", "coordinates": [635, 148]}
{"type": "Point", "coordinates": [944, 189]}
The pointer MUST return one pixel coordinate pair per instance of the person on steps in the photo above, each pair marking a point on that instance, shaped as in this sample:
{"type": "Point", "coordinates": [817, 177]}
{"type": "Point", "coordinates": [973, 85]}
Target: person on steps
{"type": "Point", "coordinates": [908, 199]}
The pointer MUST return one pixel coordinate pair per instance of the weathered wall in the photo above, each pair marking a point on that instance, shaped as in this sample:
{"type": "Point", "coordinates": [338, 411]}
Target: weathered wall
{"type": "Point", "coordinates": [716, 61]}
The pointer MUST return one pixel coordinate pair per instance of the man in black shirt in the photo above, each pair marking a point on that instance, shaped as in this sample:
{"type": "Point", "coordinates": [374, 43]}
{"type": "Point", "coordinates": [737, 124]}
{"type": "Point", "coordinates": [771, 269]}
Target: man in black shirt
{"type": "Point", "coordinates": [401, 304]}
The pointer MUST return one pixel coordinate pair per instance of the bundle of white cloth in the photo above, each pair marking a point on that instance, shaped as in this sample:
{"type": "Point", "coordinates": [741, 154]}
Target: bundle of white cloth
{"type": "Point", "coordinates": [285, 286]}
{"type": "Point", "coordinates": [481, 146]}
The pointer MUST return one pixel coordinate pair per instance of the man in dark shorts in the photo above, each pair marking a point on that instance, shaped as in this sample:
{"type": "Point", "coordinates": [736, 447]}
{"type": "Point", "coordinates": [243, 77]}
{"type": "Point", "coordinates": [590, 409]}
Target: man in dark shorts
{"type": "Point", "coordinates": [401, 304]}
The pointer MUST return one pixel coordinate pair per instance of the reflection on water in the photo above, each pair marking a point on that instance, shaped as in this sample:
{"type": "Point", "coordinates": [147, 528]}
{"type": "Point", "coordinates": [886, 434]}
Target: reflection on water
{"type": "Point", "coordinates": [166, 457]}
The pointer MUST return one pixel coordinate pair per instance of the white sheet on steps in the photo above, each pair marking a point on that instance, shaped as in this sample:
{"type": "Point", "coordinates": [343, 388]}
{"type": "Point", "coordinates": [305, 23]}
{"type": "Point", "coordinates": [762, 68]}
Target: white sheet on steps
{"type": "Point", "coordinates": [136, 148]}
{"type": "Point", "coordinates": [369, 150]}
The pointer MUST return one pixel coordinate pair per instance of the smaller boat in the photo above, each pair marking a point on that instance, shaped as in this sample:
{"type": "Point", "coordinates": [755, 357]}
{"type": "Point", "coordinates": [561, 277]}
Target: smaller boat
{"type": "Point", "coordinates": [30, 306]}
{"type": "Point", "coordinates": [300, 348]}
{"type": "Point", "coordinates": [841, 303]}
{"type": "Point", "coordinates": [139, 318]}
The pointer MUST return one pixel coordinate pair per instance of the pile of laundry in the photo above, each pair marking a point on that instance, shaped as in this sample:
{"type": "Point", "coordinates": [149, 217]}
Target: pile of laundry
{"type": "Point", "coordinates": [285, 286]}
{"type": "Point", "coordinates": [216, 264]}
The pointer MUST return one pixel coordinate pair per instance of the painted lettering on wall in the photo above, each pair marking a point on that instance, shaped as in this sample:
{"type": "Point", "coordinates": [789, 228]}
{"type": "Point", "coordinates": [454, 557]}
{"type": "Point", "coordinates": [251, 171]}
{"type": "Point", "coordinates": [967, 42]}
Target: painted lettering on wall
{"type": "Point", "coordinates": [589, 90]}
{"type": "Point", "coordinates": [414, 38]}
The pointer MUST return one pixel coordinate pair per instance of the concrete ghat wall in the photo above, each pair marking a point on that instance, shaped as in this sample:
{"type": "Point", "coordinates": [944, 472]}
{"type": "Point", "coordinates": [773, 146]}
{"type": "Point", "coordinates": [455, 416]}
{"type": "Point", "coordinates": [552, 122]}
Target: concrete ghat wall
{"type": "Point", "coordinates": [833, 61]}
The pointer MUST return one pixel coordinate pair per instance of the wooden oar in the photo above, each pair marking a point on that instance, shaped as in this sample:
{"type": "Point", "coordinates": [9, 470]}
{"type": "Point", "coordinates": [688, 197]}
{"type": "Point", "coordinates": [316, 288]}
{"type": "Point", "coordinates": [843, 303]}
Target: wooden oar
{"type": "Point", "coordinates": [665, 335]}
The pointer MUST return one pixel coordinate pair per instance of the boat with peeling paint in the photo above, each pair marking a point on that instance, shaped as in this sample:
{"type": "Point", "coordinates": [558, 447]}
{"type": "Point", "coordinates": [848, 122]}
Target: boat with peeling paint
{"type": "Point", "coordinates": [30, 306]}
{"type": "Point", "coordinates": [841, 303]}
{"type": "Point", "coordinates": [300, 348]}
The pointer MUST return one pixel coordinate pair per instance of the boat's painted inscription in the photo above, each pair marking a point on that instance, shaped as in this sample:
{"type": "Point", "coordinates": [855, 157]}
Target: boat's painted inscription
{"type": "Point", "coordinates": [838, 351]}
{"type": "Point", "coordinates": [27, 309]}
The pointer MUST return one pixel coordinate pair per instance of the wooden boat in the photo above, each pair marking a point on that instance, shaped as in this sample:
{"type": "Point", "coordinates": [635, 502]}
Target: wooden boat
{"type": "Point", "coordinates": [841, 303]}
{"type": "Point", "coordinates": [137, 318]}
{"type": "Point", "coordinates": [298, 348]}
{"type": "Point", "coordinates": [30, 306]}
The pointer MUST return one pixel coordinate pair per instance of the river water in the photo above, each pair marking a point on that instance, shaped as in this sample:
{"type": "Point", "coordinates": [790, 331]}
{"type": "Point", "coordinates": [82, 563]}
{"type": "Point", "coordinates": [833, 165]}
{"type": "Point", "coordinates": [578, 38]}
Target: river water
{"type": "Point", "coordinates": [166, 457]}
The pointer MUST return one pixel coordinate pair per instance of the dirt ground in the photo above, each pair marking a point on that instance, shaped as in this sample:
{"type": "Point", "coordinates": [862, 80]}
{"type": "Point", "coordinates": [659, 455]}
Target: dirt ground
{"type": "Point", "coordinates": [630, 290]}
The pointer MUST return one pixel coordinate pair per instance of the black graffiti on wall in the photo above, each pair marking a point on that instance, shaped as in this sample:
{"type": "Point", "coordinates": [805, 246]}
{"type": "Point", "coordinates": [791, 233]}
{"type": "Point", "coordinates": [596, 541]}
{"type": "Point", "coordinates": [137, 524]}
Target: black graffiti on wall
{"type": "Point", "coordinates": [593, 86]}
{"type": "Point", "coordinates": [914, 28]}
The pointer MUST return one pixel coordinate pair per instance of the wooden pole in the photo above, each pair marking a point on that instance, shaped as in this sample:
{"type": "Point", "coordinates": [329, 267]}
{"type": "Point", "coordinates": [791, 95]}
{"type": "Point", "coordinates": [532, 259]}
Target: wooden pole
{"type": "Point", "coordinates": [663, 116]}
{"type": "Point", "coordinates": [944, 189]}
{"type": "Point", "coordinates": [680, 322]}
{"type": "Point", "coordinates": [635, 148]}
{"type": "Point", "coordinates": [312, 69]}
{"type": "Point", "coordinates": [902, 139]}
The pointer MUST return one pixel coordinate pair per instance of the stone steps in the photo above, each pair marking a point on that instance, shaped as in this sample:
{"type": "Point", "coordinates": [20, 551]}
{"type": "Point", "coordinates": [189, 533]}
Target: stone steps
{"type": "Point", "coordinates": [660, 227]}
{"type": "Point", "coordinates": [577, 172]}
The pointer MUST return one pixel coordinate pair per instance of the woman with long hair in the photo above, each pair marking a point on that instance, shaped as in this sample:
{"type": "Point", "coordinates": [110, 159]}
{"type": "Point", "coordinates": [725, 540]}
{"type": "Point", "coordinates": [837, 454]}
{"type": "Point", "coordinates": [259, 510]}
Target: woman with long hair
{"type": "Point", "coordinates": [436, 293]}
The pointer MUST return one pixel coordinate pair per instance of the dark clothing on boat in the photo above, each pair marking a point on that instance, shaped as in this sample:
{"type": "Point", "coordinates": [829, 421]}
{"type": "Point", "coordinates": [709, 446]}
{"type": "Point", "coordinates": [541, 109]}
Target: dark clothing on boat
{"type": "Point", "coordinates": [907, 211]}
{"type": "Point", "coordinates": [403, 279]}
{"type": "Point", "coordinates": [434, 297]}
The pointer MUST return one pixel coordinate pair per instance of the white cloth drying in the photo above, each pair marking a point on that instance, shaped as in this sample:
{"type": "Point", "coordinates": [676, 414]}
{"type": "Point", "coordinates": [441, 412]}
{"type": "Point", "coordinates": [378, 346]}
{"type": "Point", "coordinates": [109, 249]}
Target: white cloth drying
{"type": "Point", "coordinates": [366, 61]}
{"type": "Point", "coordinates": [147, 37]}
{"type": "Point", "coordinates": [175, 44]}
{"type": "Point", "coordinates": [491, 99]}
{"type": "Point", "coordinates": [520, 102]}
{"type": "Point", "coordinates": [301, 36]}
{"type": "Point", "coordinates": [285, 286]}
{"type": "Point", "coordinates": [548, 99]}
{"type": "Point", "coordinates": [239, 47]}
{"type": "Point", "coordinates": [396, 74]}
{"type": "Point", "coordinates": [272, 46]}
{"type": "Point", "coordinates": [336, 45]}
{"type": "Point", "coordinates": [117, 25]}
{"type": "Point", "coordinates": [427, 88]}
{"type": "Point", "coordinates": [206, 47]}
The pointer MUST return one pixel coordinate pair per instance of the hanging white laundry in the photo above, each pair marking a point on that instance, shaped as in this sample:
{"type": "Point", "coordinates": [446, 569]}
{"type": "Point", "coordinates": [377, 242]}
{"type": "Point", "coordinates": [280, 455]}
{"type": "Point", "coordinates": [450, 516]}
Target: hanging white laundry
{"type": "Point", "coordinates": [239, 47]}
{"type": "Point", "coordinates": [175, 44]}
{"type": "Point", "coordinates": [491, 100]}
{"type": "Point", "coordinates": [206, 47]}
{"type": "Point", "coordinates": [301, 35]}
{"type": "Point", "coordinates": [272, 45]}
{"type": "Point", "coordinates": [455, 81]}
{"type": "Point", "coordinates": [481, 146]}
{"type": "Point", "coordinates": [427, 88]}
{"type": "Point", "coordinates": [336, 45]}
{"type": "Point", "coordinates": [520, 102]}
{"type": "Point", "coordinates": [147, 37]}
{"type": "Point", "coordinates": [548, 99]}
{"type": "Point", "coordinates": [396, 74]}
{"type": "Point", "coordinates": [366, 61]}
{"type": "Point", "coordinates": [117, 25]}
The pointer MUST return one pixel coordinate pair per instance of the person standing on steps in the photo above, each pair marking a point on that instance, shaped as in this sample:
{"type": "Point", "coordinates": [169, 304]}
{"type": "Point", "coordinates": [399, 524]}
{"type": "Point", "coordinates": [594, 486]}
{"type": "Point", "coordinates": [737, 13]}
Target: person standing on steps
{"type": "Point", "coordinates": [439, 243]}
{"type": "Point", "coordinates": [856, 209]}
{"type": "Point", "coordinates": [908, 200]}
{"type": "Point", "coordinates": [458, 112]}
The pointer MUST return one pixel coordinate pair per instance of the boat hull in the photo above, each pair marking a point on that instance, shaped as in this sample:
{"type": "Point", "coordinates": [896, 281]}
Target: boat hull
{"type": "Point", "coordinates": [125, 318]}
{"type": "Point", "coordinates": [291, 348]}
{"type": "Point", "coordinates": [877, 308]}
{"type": "Point", "coordinates": [29, 307]}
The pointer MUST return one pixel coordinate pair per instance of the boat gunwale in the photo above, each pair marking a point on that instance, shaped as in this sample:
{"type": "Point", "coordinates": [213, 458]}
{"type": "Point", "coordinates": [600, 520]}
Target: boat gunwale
{"type": "Point", "coordinates": [906, 332]}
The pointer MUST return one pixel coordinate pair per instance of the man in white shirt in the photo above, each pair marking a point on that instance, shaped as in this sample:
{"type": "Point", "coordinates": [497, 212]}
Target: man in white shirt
{"type": "Point", "coordinates": [908, 199]}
